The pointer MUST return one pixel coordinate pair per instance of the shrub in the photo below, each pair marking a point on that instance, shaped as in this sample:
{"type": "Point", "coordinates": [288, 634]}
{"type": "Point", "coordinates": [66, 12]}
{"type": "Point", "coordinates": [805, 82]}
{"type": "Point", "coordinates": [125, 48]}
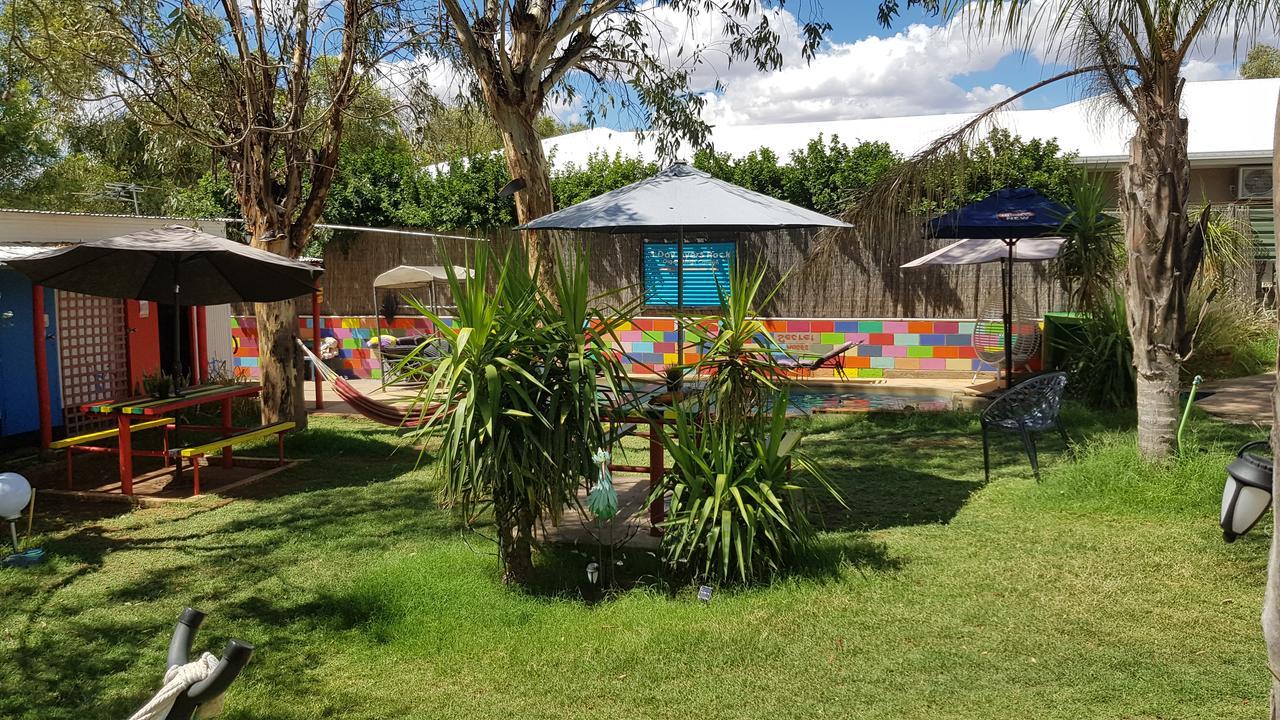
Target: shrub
{"type": "Point", "coordinates": [737, 493]}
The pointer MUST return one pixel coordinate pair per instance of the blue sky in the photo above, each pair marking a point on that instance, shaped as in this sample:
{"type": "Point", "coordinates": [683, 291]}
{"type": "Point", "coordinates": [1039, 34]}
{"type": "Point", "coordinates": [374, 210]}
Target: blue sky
{"type": "Point", "coordinates": [919, 66]}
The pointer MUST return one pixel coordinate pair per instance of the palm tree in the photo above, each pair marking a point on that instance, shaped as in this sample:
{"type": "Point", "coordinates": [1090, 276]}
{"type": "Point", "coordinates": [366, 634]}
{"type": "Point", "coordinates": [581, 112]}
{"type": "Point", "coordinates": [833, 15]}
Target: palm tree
{"type": "Point", "coordinates": [1133, 52]}
{"type": "Point", "coordinates": [1130, 53]}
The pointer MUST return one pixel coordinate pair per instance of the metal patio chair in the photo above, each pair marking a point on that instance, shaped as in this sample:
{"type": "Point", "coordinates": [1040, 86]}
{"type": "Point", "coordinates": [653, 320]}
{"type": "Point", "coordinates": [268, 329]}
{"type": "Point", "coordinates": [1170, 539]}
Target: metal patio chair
{"type": "Point", "coordinates": [1029, 407]}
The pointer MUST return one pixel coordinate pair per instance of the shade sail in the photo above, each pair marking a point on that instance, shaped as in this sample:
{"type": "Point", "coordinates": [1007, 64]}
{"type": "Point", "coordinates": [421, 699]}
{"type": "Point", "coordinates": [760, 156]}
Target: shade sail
{"type": "Point", "coordinates": [159, 264]}
{"type": "Point", "coordinates": [682, 197]}
{"type": "Point", "coordinates": [411, 276]}
{"type": "Point", "coordinates": [1006, 214]}
{"type": "Point", "coordinates": [975, 252]}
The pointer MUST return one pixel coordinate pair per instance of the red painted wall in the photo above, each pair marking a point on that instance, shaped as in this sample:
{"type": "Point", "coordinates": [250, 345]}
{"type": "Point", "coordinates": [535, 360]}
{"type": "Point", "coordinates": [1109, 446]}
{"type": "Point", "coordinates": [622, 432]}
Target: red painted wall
{"type": "Point", "coordinates": [144, 340]}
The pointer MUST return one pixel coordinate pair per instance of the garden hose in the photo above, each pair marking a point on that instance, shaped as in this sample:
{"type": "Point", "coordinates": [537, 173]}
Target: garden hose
{"type": "Point", "coordinates": [1186, 411]}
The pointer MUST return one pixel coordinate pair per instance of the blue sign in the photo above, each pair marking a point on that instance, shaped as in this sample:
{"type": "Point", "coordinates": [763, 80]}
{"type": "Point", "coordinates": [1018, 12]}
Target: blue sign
{"type": "Point", "coordinates": [706, 272]}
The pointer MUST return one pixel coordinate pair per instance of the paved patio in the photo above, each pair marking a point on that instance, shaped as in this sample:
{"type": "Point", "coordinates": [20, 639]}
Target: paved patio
{"type": "Point", "coordinates": [1245, 400]}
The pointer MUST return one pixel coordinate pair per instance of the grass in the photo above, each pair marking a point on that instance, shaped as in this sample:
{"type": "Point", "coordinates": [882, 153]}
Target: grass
{"type": "Point", "coordinates": [1104, 591]}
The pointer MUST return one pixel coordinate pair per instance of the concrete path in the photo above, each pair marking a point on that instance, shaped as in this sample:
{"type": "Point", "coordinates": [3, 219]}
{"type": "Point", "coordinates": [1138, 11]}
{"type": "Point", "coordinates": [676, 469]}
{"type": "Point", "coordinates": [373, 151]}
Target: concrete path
{"type": "Point", "coordinates": [1239, 400]}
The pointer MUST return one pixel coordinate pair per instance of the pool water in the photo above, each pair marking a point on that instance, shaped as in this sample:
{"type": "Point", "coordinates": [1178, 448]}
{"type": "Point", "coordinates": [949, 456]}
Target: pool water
{"type": "Point", "coordinates": [846, 400]}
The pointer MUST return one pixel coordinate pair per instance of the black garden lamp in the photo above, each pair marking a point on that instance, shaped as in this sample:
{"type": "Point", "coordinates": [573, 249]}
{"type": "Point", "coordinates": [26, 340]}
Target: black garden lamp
{"type": "Point", "coordinates": [1247, 494]}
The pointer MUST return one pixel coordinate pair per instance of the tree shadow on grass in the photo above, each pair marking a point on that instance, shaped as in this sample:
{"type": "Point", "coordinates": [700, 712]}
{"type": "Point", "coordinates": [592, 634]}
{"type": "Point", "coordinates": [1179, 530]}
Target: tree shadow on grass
{"type": "Point", "coordinates": [885, 496]}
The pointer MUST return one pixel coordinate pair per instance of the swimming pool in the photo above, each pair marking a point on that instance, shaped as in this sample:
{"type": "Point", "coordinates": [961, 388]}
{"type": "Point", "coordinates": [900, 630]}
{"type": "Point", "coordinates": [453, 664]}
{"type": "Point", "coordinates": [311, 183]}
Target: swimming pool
{"type": "Point", "coordinates": [820, 399]}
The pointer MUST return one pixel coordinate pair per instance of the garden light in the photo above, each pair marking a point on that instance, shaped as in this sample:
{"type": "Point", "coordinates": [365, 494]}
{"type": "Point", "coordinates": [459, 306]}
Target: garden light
{"type": "Point", "coordinates": [1247, 493]}
{"type": "Point", "coordinates": [15, 495]}
{"type": "Point", "coordinates": [593, 572]}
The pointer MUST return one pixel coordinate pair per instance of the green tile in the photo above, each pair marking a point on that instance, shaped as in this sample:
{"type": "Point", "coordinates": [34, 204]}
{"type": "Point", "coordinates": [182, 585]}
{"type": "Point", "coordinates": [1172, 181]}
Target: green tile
{"type": "Point", "coordinates": [833, 338]}
{"type": "Point", "coordinates": [906, 339]}
{"type": "Point", "coordinates": [920, 351]}
{"type": "Point", "coordinates": [653, 336]}
{"type": "Point", "coordinates": [870, 326]}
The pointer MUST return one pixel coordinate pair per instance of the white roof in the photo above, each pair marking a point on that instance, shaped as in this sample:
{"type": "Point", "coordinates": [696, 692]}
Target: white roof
{"type": "Point", "coordinates": [1230, 122]}
{"type": "Point", "coordinates": [410, 276]}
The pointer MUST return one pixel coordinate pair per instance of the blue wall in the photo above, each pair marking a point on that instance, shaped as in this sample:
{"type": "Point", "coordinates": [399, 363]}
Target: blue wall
{"type": "Point", "coordinates": [19, 412]}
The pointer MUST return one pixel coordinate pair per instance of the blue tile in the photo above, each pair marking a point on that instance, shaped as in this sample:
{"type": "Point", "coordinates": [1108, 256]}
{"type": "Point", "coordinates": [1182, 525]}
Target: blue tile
{"type": "Point", "coordinates": [959, 340]}
{"type": "Point", "coordinates": [933, 339]}
{"type": "Point", "coordinates": [869, 350]}
{"type": "Point", "coordinates": [846, 326]}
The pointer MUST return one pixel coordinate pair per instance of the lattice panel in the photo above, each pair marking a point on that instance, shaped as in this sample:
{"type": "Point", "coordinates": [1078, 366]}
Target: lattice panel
{"type": "Point", "coordinates": [93, 352]}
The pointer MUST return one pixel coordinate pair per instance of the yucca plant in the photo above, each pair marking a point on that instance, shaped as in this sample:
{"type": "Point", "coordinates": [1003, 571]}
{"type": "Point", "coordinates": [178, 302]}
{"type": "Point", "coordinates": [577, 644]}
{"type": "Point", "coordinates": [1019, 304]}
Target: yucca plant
{"type": "Point", "coordinates": [1093, 254]}
{"type": "Point", "coordinates": [739, 358]}
{"type": "Point", "coordinates": [517, 401]}
{"type": "Point", "coordinates": [737, 493]}
{"type": "Point", "coordinates": [1100, 355]}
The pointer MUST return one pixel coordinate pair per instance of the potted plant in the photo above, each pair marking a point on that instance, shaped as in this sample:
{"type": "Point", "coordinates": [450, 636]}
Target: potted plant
{"type": "Point", "coordinates": [157, 384]}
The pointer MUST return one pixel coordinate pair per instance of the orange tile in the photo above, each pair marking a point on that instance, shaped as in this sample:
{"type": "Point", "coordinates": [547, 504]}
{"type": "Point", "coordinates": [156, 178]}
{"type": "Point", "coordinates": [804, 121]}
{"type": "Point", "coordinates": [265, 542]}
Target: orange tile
{"type": "Point", "coordinates": [923, 327]}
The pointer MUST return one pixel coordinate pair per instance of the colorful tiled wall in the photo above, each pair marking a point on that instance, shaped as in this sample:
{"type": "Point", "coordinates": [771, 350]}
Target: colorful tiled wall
{"type": "Point", "coordinates": [355, 358]}
{"type": "Point", "coordinates": [886, 347]}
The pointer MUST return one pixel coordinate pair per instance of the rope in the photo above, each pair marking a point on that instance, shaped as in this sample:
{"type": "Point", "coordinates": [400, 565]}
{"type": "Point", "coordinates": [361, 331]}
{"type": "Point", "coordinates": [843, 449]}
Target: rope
{"type": "Point", "coordinates": [176, 681]}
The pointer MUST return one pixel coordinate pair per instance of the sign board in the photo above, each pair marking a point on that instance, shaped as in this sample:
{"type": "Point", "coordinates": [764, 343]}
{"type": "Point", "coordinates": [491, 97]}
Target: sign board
{"type": "Point", "coordinates": [706, 272]}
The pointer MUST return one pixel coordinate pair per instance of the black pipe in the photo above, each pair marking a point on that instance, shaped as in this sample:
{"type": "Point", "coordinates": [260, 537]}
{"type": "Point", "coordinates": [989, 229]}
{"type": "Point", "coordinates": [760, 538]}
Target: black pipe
{"type": "Point", "coordinates": [234, 658]}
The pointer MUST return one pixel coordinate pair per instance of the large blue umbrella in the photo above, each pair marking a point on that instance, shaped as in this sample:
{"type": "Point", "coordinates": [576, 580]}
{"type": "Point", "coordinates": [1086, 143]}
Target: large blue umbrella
{"type": "Point", "coordinates": [1008, 215]}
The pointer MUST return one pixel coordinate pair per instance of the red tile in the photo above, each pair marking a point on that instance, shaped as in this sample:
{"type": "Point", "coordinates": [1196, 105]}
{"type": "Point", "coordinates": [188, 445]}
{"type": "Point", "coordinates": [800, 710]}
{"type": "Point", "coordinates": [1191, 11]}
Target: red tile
{"type": "Point", "coordinates": [822, 326]}
{"type": "Point", "coordinates": [880, 339]}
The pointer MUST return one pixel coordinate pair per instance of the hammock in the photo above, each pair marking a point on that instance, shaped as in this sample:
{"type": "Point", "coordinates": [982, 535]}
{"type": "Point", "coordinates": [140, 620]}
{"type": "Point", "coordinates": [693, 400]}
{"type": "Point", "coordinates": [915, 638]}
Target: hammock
{"type": "Point", "coordinates": [376, 411]}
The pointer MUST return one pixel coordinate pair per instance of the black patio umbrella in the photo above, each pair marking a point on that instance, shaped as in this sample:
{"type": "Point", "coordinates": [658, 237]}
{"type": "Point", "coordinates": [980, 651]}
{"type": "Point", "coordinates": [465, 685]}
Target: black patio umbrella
{"type": "Point", "coordinates": [1007, 215]}
{"type": "Point", "coordinates": [677, 199]}
{"type": "Point", "coordinates": [174, 264]}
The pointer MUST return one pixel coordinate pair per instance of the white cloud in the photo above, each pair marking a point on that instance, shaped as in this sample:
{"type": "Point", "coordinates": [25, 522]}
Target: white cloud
{"type": "Point", "coordinates": [922, 69]}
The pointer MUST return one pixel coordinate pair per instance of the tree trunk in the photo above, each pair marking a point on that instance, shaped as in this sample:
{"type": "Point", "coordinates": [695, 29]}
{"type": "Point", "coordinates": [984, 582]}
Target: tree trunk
{"type": "Point", "coordinates": [1154, 193]}
{"type": "Point", "coordinates": [526, 161]}
{"type": "Point", "coordinates": [277, 329]}
{"type": "Point", "coordinates": [1271, 601]}
{"type": "Point", "coordinates": [516, 546]}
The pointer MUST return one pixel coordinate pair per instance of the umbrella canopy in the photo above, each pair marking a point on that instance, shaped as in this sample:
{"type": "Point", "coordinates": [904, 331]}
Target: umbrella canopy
{"type": "Point", "coordinates": [1006, 214]}
{"type": "Point", "coordinates": [681, 197]}
{"type": "Point", "coordinates": [412, 276]}
{"type": "Point", "coordinates": [168, 264]}
{"type": "Point", "coordinates": [976, 252]}
{"type": "Point", "coordinates": [174, 264]}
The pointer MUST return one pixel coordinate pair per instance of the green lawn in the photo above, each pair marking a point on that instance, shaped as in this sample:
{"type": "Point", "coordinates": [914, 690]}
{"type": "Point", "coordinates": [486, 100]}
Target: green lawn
{"type": "Point", "coordinates": [1104, 592]}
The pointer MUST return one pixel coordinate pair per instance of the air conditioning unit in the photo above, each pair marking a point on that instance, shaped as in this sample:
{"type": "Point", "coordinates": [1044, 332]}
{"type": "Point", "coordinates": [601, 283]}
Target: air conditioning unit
{"type": "Point", "coordinates": [1254, 182]}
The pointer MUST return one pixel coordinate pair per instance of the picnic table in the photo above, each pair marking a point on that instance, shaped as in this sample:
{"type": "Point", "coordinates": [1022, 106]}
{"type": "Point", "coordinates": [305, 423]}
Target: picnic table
{"type": "Point", "coordinates": [125, 411]}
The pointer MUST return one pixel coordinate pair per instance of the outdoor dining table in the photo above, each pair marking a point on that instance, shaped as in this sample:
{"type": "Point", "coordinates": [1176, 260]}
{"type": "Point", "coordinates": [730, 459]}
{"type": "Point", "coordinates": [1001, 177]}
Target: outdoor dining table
{"type": "Point", "coordinates": [143, 407]}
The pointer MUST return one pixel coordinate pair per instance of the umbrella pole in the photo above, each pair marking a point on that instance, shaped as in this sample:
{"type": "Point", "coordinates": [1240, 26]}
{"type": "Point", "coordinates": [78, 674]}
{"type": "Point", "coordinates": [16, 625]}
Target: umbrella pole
{"type": "Point", "coordinates": [177, 331]}
{"type": "Point", "coordinates": [680, 297]}
{"type": "Point", "coordinates": [377, 337]}
{"type": "Point", "coordinates": [1007, 297]}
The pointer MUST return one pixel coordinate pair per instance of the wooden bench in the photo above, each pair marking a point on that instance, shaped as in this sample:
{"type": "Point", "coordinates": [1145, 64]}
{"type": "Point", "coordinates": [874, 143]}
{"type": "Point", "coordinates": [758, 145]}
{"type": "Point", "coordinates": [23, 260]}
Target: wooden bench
{"type": "Point", "coordinates": [195, 452]}
{"type": "Point", "coordinates": [80, 443]}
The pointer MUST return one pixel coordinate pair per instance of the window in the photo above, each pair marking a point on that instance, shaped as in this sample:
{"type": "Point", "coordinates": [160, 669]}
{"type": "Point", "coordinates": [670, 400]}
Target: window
{"type": "Point", "coordinates": [706, 272]}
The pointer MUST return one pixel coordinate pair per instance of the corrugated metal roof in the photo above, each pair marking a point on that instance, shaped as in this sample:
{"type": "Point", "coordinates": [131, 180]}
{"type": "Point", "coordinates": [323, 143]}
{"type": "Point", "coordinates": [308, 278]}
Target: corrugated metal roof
{"type": "Point", "coordinates": [17, 252]}
{"type": "Point", "coordinates": [1229, 121]}
{"type": "Point", "coordinates": [166, 218]}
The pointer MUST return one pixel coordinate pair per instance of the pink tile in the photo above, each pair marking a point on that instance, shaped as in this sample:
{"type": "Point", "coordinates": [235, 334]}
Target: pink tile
{"type": "Point", "coordinates": [894, 351]}
{"type": "Point", "coordinates": [861, 337]}
{"type": "Point", "coordinates": [946, 327]}
{"type": "Point", "coordinates": [895, 327]}
{"type": "Point", "coordinates": [933, 363]}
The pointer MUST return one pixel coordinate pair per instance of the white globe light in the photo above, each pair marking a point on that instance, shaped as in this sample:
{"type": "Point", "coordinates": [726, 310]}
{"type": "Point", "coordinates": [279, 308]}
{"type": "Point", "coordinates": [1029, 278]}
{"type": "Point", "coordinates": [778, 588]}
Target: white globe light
{"type": "Point", "coordinates": [15, 493]}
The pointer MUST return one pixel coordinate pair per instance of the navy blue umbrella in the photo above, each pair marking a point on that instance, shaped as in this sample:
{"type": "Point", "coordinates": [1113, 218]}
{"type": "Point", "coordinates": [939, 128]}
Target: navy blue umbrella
{"type": "Point", "coordinates": [1008, 215]}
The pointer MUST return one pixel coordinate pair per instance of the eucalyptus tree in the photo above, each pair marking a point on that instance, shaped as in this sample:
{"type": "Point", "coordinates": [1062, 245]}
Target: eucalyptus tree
{"type": "Point", "coordinates": [266, 86]}
{"type": "Point", "coordinates": [1130, 54]}
{"type": "Point", "coordinates": [612, 56]}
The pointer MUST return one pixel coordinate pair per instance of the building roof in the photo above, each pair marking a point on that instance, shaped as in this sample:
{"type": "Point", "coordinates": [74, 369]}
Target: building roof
{"type": "Point", "coordinates": [1230, 122]}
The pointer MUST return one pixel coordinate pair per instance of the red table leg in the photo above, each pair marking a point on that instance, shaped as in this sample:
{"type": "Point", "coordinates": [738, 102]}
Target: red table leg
{"type": "Point", "coordinates": [227, 431]}
{"type": "Point", "coordinates": [126, 454]}
{"type": "Point", "coordinates": [657, 509]}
